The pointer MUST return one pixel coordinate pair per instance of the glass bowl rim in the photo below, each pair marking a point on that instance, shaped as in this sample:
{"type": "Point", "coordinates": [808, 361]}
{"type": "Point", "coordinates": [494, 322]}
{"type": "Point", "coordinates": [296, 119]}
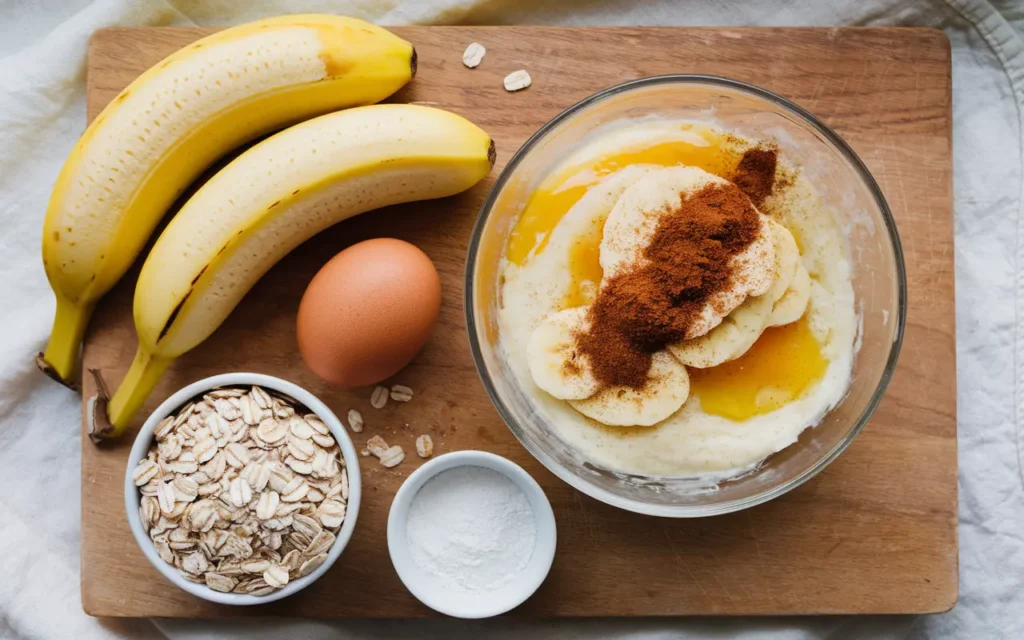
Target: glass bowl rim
{"type": "Point", "coordinates": [685, 511]}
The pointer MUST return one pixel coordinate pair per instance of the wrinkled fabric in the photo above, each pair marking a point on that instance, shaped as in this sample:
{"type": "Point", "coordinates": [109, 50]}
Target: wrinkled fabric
{"type": "Point", "coordinates": [42, 111]}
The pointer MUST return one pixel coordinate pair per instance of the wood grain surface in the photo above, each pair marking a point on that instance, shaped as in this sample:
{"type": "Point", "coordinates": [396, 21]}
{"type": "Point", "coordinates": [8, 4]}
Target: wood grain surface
{"type": "Point", "coordinates": [874, 533]}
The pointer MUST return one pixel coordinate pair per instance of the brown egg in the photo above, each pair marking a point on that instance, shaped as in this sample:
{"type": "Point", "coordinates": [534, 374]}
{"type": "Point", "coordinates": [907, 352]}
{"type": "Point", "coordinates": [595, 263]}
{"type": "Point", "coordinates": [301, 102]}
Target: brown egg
{"type": "Point", "coordinates": [368, 312]}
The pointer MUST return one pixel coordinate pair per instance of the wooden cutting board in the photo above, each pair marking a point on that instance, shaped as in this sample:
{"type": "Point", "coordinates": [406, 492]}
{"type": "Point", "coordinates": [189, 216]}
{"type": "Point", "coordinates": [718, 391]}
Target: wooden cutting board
{"type": "Point", "coordinates": [874, 533]}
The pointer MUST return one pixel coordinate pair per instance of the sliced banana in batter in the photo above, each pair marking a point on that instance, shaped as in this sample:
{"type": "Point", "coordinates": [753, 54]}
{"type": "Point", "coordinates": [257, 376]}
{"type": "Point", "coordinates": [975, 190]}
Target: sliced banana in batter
{"type": "Point", "coordinates": [667, 388]}
{"type": "Point", "coordinates": [634, 220]}
{"type": "Point", "coordinates": [556, 363]}
{"type": "Point", "coordinates": [792, 288]}
{"type": "Point", "coordinates": [730, 339]}
{"type": "Point", "coordinates": [787, 259]}
{"type": "Point", "coordinates": [791, 306]}
{"type": "Point", "coordinates": [785, 301]}
{"type": "Point", "coordinates": [638, 211]}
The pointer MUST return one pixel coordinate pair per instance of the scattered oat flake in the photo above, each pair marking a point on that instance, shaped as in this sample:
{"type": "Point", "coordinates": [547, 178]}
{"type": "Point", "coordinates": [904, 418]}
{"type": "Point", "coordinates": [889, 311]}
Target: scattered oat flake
{"type": "Point", "coordinates": [517, 80]}
{"type": "Point", "coordinates": [473, 54]}
{"type": "Point", "coordinates": [355, 421]}
{"type": "Point", "coordinates": [379, 398]}
{"type": "Point", "coordinates": [392, 456]}
{"type": "Point", "coordinates": [401, 393]}
{"type": "Point", "coordinates": [424, 446]}
{"type": "Point", "coordinates": [376, 445]}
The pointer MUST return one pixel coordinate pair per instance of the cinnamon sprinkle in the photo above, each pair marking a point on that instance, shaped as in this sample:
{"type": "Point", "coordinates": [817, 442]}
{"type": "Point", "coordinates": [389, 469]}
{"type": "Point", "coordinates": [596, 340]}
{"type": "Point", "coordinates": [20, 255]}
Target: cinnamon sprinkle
{"type": "Point", "coordinates": [755, 174]}
{"type": "Point", "coordinates": [639, 312]}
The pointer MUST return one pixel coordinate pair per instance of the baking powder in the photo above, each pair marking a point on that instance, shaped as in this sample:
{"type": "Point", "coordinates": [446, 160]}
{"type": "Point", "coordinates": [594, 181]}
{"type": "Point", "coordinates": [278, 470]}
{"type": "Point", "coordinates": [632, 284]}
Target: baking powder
{"type": "Point", "coordinates": [471, 528]}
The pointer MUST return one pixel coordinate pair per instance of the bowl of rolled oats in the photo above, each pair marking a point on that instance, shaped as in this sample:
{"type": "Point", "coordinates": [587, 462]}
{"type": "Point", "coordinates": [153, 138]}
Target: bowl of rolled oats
{"type": "Point", "coordinates": [242, 488]}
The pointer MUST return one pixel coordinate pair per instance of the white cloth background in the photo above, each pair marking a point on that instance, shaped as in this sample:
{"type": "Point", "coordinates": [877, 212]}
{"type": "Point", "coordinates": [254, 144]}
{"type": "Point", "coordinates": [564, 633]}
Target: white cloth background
{"type": "Point", "coordinates": [42, 112]}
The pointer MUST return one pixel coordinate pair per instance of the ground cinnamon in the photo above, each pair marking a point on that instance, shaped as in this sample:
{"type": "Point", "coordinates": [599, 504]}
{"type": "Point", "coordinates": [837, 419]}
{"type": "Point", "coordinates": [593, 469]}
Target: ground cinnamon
{"type": "Point", "coordinates": [755, 174]}
{"type": "Point", "coordinates": [639, 312]}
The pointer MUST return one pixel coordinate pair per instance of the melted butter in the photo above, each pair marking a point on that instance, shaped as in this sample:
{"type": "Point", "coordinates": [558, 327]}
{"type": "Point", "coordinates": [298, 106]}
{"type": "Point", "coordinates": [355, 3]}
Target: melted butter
{"type": "Point", "coordinates": [706, 149]}
{"type": "Point", "coordinates": [544, 210]}
{"type": "Point", "coordinates": [585, 267]}
{"type": "Point", "coordinates": [783, 364]}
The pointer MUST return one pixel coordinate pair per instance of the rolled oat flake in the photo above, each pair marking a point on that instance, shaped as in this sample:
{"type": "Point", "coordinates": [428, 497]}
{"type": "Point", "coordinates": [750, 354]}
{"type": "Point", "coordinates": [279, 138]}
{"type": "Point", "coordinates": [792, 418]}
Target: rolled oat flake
{"type": "Point", "coordinates": [471, 529]}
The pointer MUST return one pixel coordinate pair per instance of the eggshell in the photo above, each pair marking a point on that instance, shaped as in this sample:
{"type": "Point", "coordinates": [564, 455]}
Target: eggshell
{"type": "Point", "coordinates": [368, 312]}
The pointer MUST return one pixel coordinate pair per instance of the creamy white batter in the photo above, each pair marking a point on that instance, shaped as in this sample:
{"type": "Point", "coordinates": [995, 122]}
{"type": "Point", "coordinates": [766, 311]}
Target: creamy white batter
{"type": "Point", "coordinates": [690, 442]}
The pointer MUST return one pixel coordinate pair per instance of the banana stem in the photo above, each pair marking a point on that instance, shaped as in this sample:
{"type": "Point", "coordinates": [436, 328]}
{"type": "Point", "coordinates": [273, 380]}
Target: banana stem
{"type": "Point", "coordinates": [145, 372]}
{"type": "Point", "coordinates": [60, 361]}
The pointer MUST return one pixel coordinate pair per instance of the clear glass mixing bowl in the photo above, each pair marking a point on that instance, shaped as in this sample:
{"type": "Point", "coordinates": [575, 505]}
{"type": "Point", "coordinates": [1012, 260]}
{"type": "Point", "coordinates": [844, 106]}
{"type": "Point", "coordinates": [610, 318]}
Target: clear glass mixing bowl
{"type": "Point", "coordinates": [844, 183]}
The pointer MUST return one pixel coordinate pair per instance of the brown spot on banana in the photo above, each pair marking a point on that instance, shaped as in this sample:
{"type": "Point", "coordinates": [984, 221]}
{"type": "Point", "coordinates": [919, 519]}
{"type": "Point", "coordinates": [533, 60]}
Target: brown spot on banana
{"type": "Point", "coordinates": [201, 272]}
{"type": "Point", "coordinates": [174, 314]}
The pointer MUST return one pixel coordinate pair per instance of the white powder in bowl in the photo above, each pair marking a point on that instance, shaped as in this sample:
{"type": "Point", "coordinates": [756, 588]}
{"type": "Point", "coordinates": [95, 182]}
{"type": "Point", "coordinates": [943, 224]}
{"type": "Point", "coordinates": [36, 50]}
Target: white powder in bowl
{"type": "Point", "coordinates": [471, 528]}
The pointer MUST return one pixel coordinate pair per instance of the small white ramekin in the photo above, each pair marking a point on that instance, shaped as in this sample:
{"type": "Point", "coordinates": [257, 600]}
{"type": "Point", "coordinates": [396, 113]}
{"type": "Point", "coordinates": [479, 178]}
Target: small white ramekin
{"type": "Point", "coordinates": [132, 496]}
{"type": "Point", "coordinates": [487, 603]}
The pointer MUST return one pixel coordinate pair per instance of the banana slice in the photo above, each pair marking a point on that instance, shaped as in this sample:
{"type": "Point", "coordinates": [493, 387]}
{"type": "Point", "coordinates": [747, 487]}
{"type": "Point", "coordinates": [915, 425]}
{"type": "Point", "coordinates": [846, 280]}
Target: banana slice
{"type": "Point", "coordinates": [794, 301]}
{"type": "Point", "coordinates": [792, 287]}
{"type": "Point", "coordinates": [787, 259]}
{"type": "Point", "coordinates": [667, 388]}
{"type": "Point", "coordinates": [634, 219]}
{"type": "Point", "coordinates": [557, 366]}
{"type": "Point", "coordinates": [785, 301]}
{"type": "Point", "coordinates": [730, 339]}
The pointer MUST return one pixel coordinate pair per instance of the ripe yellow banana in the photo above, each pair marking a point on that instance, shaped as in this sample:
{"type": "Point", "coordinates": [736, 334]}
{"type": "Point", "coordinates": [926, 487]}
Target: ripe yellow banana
{"type": "Point", "coordinates": [171, 123]}
{"type": "Point", "coordinates": [268, 201]}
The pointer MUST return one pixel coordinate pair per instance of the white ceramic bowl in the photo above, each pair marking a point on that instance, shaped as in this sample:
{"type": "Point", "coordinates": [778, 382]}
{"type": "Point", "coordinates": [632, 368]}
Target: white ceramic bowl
{"type": "Point", "coordinates": [145, 438]}
{"type": "Point", "coordinates": [472, 605]}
